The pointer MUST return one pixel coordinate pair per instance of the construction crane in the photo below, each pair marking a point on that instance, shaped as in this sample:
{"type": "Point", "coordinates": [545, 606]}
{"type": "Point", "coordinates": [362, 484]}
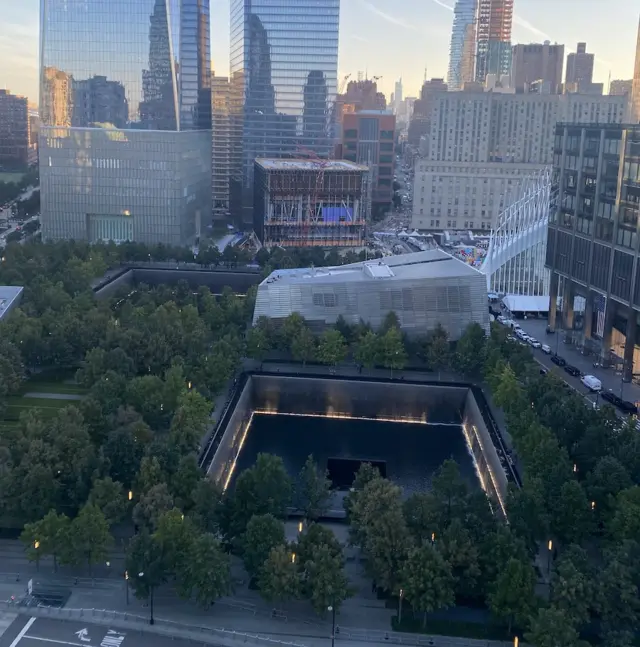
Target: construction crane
{"type": "Point", "coordinates": [343, 83]}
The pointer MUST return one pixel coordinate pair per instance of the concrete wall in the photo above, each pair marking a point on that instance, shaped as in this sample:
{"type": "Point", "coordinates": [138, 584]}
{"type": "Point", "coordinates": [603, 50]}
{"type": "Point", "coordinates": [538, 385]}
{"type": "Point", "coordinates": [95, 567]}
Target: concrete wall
{"type": "Point", "coordinates": [215, 280]}
{"type": "Point", "coordinates": [491, 473]}
{"type": "Point", "coordinates": [362, 398]}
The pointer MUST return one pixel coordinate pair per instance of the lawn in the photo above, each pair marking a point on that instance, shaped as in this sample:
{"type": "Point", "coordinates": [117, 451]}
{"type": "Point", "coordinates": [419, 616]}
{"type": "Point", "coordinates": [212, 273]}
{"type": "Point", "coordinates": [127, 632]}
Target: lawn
{"type": "Point", "coordinates": [11, 177]}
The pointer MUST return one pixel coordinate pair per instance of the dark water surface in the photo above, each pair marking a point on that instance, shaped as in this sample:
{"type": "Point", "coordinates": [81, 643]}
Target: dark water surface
{"type": "Point", "coordinates": [413, 452]}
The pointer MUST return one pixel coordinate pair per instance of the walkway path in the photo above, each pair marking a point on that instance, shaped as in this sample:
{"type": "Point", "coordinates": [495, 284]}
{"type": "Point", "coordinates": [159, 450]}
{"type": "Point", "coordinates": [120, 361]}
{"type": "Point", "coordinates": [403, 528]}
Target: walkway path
{"type": "Point", "coordinates": [53, 396]}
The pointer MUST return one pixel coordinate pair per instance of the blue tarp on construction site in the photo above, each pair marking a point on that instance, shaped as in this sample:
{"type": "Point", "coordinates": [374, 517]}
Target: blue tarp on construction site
{"type": "Point", "coordinates": [337, 214]}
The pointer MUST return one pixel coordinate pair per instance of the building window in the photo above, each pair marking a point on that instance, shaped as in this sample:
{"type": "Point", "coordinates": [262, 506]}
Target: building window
{"type": "Point", "coordinates": [351, 133]}
{"type": "Point", "coordinates": [387, 134]}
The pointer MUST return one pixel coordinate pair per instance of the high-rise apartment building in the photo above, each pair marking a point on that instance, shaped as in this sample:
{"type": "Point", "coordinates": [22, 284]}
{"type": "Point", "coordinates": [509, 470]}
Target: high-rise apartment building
{"type": "Point", "coordinates": [222, 134]}
{"type": "Point", "coordinates": [513, 128]}
{"type": "Point", "coordinates": [125, 142]}
{"type": "Point", "coordinates": [14, 131]}
{"type": "Point", "coordinates": [579, 75]}
{"type": "Point", "coordinates": [537, 62]}
{"type": "Point", "coordinates": [592, 248]}
{"type": "Point", "coordinates": [284, 68]}
{"type": "Point", "coordinates": [463, 45]}
{"type": "Point", "coordinates": [421, 116]}
{"type": "Point", "coordinates": [397, 97]}
{"type": "Point", "coordinates": [369, 139]}
{"type": "Point", "coordinates": [634, 108]}
{"type": "Point", "coordinates": [493, 37]}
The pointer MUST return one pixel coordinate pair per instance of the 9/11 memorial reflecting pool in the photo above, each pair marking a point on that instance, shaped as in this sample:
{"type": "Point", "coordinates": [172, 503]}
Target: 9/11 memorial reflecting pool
{"type": "Point", "coordinates": [406, 453]}
{"type": "Point", "coordinates": [406, 429]}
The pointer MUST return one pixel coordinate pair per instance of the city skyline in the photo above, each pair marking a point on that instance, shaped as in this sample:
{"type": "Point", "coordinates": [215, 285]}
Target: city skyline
{"type": "Point", "coordinates": [406, 27]}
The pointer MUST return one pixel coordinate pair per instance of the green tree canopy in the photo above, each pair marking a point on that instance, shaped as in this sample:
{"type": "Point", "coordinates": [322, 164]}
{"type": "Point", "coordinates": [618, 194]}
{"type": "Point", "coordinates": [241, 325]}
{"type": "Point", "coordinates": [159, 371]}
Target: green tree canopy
{"type": "Point", "coordinates": [314, 490]}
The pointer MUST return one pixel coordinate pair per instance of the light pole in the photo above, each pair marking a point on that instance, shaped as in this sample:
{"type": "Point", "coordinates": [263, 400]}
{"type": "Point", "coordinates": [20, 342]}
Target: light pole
{"type": "Point", "coordinates": [400, 605]}
{"type": "Point", "coordinates": [332, 608]}
{"type": "Point", "coordinates": [126, 586]}
{"type": "Point", "coordinates": [550, 548]}
{"type": "Point", "coordinates": [36, 545]}
{"type": "Point", "coordinates": [151, 620]}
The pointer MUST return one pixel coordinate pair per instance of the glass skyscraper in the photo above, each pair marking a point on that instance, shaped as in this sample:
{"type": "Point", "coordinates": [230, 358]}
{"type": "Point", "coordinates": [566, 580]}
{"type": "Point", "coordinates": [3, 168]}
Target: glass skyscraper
{"type": "Point", "coordinates": [462, 53]}
{"type": "Point", "coordinates": [284, 68]}
{"type": "Point", "coordinates": [493, 33]}
{"type": "Point", "coordinates": [125, 142]}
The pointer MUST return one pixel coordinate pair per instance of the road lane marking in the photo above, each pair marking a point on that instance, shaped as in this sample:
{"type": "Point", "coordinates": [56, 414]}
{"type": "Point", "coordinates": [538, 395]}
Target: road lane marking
{"type": "Point", "coordinates": [23, 631]}
{"type": "Point", "coordinates": [53, 640]}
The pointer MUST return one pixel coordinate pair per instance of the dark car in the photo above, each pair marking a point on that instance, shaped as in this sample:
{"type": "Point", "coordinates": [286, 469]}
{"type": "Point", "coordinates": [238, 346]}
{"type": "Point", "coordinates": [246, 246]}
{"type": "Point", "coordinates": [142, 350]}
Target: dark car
{"type": "Point", "coordinates": [560, 361]}
{"type": "Point", "coordinates": [572, 370]}
{"type": "Point", "coordinates": [628, 407]}
{"type": "Point", "coordinates": [611, 397]}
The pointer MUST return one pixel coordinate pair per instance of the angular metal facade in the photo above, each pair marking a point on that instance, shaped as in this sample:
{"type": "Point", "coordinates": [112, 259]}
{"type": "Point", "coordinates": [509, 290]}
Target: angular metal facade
{"type": "Point", "coordinates": [462, 42]}
{"type": "Point", "coordinates": [125, 140]}
{"type": "Point", "coordinates": [420, 302]}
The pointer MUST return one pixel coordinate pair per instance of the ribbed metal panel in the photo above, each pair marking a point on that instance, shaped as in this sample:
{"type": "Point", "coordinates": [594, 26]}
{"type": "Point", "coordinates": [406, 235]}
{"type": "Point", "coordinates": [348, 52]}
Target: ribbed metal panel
{"type": "Point", "coordinates": [420, 304]}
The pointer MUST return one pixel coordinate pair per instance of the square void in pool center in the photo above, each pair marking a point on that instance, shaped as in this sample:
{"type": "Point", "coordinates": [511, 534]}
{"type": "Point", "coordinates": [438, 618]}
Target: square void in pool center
{"type": "Point", "coordinates": [409, 453]}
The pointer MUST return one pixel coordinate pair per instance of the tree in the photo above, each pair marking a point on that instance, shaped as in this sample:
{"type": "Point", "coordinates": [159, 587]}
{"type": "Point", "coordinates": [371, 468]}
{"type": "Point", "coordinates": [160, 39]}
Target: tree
{"type": "Point", "coordinates": [508, 394]}
{"type": "Point", "coordinates": [207, 501]}
{"type": "Point", "coordinates": [314, 490]}
{"type": "Point", "coordinates": [147, 566]}
{"type": "Point", "coordinates": [303, 346]}
{"type": "Point", "coordinates": [572, 591]}
{"type": "Point", "coordinates": [458, 549]}
{"type": "Point", "coordinates": [424, 514]}
{"type": "Point", "coordinates": [313, 536]}
{"type": "Point", "coordinates": [393, 354]}
{"type": "Point", "coordinates": [626, 520]}
{"type": "Point", "coordinates": [279, 580]}
{"type": "Point", "coordinates": [175, 534]}
{"type": "Point", "coordinates": [264, 532]}
{"type": "Point", "coordinates": [551, 628]}
{"type": "Point", "coordinates": [571, 516]}
{"type": "Point", "coordinates": [291, 327]}
{"type": "Point", "coordinates": [438, 351]}
{"type": "Point", "coordinates": [109, 496]}
{"type": "Point", "coordinates": [617, 597]}
{"type": "Point", "coordinates": [470, 351]}
{"type": "Point", "coordinates": [208, 570]}
{"type": "Point", "coordinates": [89, 537]}
{"type": "Point", "coordinates": [527, 512]}
{"type": "Point", "coordinates": [427, 581]}
{"type": "Point", "coordinates": [185, 481]}
{"type": "Point", "coordinates": [325, 581]}
{"type": "Point", "coordinates": [258, 344]}
{"type": "Point", "coordinates": [264, 488]}
{"type": "Point", "coordinates": [150, 475]}
{"type": "Point", "coordinates": [49, 536]}
{"type": "Point", "coordinates": [152, 506]}
{"type": "Point", "coordinates": [449, 488]}
{"type": "Point", "coordinates": [512, 594]}
{"type": "Point", "coordinates": [367, 350]}
{"type": "Point", "coordinates": [332, 347]}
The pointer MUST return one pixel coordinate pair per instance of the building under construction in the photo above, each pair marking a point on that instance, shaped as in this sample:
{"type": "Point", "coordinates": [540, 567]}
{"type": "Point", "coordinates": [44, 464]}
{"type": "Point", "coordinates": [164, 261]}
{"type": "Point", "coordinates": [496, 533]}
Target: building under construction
{"type": "Point", "coordinates": [307, 203]}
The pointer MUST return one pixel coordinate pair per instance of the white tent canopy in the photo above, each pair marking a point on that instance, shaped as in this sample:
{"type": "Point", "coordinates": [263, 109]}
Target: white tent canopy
{"type": "Point", "coordinates": [521, 303]}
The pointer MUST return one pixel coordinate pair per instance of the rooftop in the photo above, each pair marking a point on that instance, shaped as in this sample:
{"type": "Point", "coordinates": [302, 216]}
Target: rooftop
{"type": "Point", "coordinates": [432, 264]}
{"type": "Point", "coordinates": [9, 295]}
{"type": "Point", "coordinates": [308, 165]}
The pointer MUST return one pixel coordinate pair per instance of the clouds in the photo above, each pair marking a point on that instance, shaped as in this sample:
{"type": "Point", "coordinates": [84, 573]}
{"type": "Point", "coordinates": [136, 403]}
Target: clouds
{"type": "Point", "coordinates": [393, 20]}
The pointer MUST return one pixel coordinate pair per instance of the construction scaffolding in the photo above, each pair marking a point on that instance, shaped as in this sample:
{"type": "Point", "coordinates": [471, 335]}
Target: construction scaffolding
{"type": "Point", "coordinates": [308, 203]}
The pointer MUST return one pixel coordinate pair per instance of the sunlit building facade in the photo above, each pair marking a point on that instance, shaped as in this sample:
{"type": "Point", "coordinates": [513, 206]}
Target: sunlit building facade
{"type": "Point", "coordinates": [462, 53]}
{"type": "Point", "coordinates": [493, 32]}
{"type": "Point", "coordinates": [284, 67]}
{"type": "Point", "coordinates": [125, 142]}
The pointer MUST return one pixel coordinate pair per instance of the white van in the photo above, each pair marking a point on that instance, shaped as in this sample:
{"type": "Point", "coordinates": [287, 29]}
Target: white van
{"type": "Point", "coordinates": [592, 383]}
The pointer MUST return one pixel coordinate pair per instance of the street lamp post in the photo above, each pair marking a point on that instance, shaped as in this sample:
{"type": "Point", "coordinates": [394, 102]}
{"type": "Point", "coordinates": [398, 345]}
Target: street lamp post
{"type": "Point", "coordinates": [151, 620]}
{"type": "Point", "coordinates": [126, 586]}
{"type": "Point", "coordinates": [332, 608]}
{"type": "Point", "coordinates": [550, 548]}
{"type": "Point", "coordinates": [36, 545]}
{"type": "Point", "coordinates": [400, 605]}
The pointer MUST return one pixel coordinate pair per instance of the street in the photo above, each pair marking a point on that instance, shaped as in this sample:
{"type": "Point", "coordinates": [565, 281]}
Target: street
{"type": "Point", "coordinates": [40, 632]}
{"type": "Point", "coordinates": [610, 378]}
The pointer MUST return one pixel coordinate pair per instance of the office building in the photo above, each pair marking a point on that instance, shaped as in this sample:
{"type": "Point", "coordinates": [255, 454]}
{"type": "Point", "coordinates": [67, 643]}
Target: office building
{"type": "Point", "coordinates": [634, 108]}
{"type": "Point", "coordinates": [397, 97]}
{"type": "Point", "coordinates": [620, 88]}
{"type": "Point", "coordinates": [463, 45]}
{"type": "Point", "coordinates": [579, 75]}
{"type": "Point", "coordinates": [420, 124]}
{"type": "Point", "coordinates": [466, 196]}
{"type": "Point", "coordinates": [485, 127]}
{"type": "Point", "coordinates": [14, 131]}
{"type": "Point", "coordinates": [493, 38]}
{"type": "Point", "coordinates": [369, 139]}
{"type": "Point", "coordinates": [125, 141]}
{"type": "Point", "coordinates": [221, 144]}
{"type": "Point", "coordinates": [424, 290]}
{"type": "Point", "coordinates": [10, 297]}
{"type": "Point", "coordinates": [306, 203]}
{"type": "Point", "coordinates": [592, 248]}
{"type": "Point", "coordinates": [284, 67]}
{"type": "Point", "coordinates": [536, 62]}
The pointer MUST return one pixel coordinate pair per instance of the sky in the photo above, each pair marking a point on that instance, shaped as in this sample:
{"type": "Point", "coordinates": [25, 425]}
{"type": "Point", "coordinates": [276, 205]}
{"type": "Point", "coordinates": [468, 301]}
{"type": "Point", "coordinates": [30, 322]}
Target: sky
{"type": "Point", "coordinates": [385, 38]}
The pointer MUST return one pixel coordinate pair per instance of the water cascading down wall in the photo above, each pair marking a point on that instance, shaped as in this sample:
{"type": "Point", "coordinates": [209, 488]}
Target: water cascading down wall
{"type": "Point", "coordinates": [452, 407]}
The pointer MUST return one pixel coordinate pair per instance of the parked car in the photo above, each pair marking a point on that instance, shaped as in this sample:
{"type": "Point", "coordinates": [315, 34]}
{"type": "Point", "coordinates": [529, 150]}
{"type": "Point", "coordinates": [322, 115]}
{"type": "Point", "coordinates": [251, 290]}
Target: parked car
{"type": "Point", "coordinates": [546, 349]}
{"type": "Point", "coordinates": [534, 342]}
{"type": "Point", "coordinates": [560, 361]}
{"type": "Point", "coordinates": [591, 382]}
{"type": "Point", "coordinates": [610, 396]}
{"type": "Point", "coordinates": [572, 370]}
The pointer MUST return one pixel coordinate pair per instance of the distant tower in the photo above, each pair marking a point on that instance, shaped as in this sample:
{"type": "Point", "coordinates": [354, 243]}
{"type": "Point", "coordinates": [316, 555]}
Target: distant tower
{"type": "Point", "coordinates": [398, 96]}
{"type": "Point", "coordinates": [635, 90]}
{"type": "Point", "coordinates": [494, 20]}
{"type": "Point", "coordinates": [463, 45]}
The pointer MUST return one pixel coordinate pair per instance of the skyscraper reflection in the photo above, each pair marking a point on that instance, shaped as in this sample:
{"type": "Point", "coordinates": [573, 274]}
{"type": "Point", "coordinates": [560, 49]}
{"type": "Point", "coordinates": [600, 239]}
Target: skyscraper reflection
{"type": "Point", "coordinates": [284, 65]}
{"type": "Point", "coordinates": [126, 119]}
